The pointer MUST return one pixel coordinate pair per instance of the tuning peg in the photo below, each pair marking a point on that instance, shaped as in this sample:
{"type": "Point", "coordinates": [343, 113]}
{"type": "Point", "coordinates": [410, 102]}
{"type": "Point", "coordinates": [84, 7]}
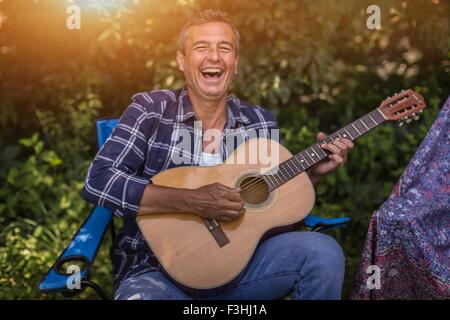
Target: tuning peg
{"type": "Point", "coordinates": [401, 123]}
{"type": "Point", "coordinates": [409, 120]}
{"type": "Point", "coordinates": [416, 118]}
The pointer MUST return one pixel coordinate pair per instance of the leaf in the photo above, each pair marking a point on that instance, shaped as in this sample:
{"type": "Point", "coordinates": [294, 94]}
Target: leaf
{"type": "Point", "coordinates": [29, 142]}
{"type": "Point", "coordinates": [64, 203]}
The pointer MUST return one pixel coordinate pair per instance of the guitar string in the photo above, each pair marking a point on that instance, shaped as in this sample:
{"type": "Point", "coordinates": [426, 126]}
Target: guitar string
{"type": "Point", "coordinates": [256, 179]}
{"type": "Point", "coordinates": [258, 182]}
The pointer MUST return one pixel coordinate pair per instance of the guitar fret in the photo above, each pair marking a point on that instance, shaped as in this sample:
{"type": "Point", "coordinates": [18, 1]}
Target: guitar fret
{"type": "Point", "coordinates": [362, 121]}
{"type": "Point", "coordinates": [356, 129]}
{"type": "Point", "coordinates": [324, 154]}
{"type": "Point", "coordinates": [353, 132]}
{"type": "Point", "coordinates": [269, 181]}
{"type": "Point", "coordinates": [378, 112]}
{"type": "Point", "coordinates": [287, 164]}
{"type": "Point", "coordinates": [303, 160]}
{"type": "Point", "coordinates": [339, 133]}
{"type": "Point", "coordinates": [360, 127]}
{"type": "Point", "coordinates": [294, 167]}
{"type": "Point", "coordinates": [271, 173]}
{"type": "Point", "coordinates": [275, 174]}
{"type": "Point", "coordinates": [310, 158]}
{"type": "Point", "coordinates": [299, 162]}
{"type": "Point", "coordinates": [347, 134]}
{"type": "Point", "coordinates": [310, 155]}
{"type": "Point", "coordinates": [372, 119]}
{"type": "Point", "coordinates": [368, 123]}
{"type": "Point", "coordinates": [297, 168]}
{"type": "Point", "coordinates": [280, 170]}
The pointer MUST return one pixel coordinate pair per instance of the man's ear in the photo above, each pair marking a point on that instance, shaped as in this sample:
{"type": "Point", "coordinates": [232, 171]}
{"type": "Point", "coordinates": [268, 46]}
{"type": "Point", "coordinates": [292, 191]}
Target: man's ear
{"type": "Point", "coordinates": [180, 60]}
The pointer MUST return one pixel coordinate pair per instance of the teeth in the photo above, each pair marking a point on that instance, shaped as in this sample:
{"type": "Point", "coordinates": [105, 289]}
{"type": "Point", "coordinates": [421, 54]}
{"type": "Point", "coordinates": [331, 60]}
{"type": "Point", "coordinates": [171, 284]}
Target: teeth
{"type": "Point", "coordinates": [212, 70]}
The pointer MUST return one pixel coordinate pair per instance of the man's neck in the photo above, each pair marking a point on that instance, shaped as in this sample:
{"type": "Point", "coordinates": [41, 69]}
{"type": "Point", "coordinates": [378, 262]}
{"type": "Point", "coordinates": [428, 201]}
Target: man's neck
{"type": "Point", "coordinates": [213, 114]}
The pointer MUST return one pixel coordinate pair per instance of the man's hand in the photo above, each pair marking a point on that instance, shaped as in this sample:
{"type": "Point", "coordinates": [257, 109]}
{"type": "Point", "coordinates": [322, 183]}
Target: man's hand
{"type": "Point", "coordinates": [339, 149]}
{"type": "Point", "coordinates": [216, 201]}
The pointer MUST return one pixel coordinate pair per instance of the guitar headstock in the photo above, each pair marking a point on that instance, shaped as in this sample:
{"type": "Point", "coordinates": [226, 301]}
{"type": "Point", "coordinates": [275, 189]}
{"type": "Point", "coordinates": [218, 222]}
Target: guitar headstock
{"type": "Point", "coordinates": [404, 106]}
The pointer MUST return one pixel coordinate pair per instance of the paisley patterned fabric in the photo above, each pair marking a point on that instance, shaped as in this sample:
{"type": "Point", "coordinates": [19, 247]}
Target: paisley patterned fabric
{"type": "Point", "coordinates": [408, 240]}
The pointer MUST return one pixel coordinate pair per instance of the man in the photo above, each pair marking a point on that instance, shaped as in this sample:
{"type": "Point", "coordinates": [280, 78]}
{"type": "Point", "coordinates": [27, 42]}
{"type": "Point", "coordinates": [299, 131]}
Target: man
{"type": "Point", "coordinates": [306, 265]}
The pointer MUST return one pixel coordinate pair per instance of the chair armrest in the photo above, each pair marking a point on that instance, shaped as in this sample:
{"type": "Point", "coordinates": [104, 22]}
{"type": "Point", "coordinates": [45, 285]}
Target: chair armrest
{"type": "Point", "coordinates": [83, 248]}
{"type": "Point", "coordinates": [316, 223]}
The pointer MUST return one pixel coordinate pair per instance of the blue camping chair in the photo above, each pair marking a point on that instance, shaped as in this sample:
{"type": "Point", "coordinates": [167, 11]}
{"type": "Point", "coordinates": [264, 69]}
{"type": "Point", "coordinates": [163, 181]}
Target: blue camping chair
{"type": "Point", "coordinates": [86, 241]}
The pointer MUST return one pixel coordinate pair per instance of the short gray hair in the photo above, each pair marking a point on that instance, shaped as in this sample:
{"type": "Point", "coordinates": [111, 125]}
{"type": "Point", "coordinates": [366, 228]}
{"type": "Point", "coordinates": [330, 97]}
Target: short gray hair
{"type": "Point", "coordinates": [205, 16]}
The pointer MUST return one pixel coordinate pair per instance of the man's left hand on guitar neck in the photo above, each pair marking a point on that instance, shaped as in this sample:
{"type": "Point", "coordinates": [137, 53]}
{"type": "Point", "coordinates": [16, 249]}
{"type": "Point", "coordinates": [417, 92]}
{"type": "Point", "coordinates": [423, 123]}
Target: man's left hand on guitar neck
{"type": "Point", "coordinates": [339, 149]}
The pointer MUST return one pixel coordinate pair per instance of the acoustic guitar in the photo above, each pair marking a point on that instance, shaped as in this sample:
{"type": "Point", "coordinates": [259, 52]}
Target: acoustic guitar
{"type": "Point", "coordinates": [205, 254]}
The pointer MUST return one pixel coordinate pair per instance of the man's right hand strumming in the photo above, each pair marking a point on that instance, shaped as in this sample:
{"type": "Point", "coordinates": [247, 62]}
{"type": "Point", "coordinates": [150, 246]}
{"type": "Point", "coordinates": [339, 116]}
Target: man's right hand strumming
{"type": "Point", "coordinates": [213, 201]}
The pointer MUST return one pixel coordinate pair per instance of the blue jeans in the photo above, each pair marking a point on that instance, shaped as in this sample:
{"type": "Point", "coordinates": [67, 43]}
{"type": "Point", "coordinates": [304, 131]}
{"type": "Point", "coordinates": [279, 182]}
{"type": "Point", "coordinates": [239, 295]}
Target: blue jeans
{"type": "Point", "coordinates": [306, 265]}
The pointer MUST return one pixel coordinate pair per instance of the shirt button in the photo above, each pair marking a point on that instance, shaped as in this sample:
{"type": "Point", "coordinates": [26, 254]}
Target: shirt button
{"type": "Point", "coordinates": [160, 160]}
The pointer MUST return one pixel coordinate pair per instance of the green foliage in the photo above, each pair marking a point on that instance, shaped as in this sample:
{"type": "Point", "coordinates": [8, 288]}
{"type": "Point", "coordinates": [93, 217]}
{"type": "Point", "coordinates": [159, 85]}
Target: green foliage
{"type": "Point", "coordinates": [312, 63]}
{"type": "Point", "coordinates": [40, 201]}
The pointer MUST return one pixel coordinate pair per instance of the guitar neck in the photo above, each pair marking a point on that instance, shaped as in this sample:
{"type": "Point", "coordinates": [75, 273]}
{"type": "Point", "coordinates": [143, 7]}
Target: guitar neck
{"type": "Point", "coordinates": [307, 158]}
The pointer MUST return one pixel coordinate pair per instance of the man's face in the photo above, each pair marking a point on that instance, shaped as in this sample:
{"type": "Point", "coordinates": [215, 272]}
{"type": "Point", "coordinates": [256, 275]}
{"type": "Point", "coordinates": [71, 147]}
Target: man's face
{"type": "Point", "coordinates": [209, 61]}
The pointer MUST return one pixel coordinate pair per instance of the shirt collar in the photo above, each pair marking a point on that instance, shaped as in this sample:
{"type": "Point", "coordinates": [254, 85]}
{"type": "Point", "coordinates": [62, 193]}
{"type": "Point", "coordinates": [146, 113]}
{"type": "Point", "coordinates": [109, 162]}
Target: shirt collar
{"type": "Point", "coordinates": [185, 110]}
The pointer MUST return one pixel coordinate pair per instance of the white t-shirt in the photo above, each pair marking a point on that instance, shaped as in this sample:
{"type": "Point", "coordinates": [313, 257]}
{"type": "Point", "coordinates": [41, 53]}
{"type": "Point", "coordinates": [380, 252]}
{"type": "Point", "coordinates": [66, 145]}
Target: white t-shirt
{"type": "Point", "coordinates": [210, 159]}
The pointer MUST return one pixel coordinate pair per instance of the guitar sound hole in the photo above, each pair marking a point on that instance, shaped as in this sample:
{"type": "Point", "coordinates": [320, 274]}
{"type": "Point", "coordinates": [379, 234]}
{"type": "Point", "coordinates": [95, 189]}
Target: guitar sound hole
{"type": "Point", "coordinates": [254, 190]}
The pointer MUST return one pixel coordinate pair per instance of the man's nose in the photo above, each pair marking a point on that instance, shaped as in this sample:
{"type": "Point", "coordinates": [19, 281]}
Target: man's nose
{"type": "Point", "coordinates": [213, 54]}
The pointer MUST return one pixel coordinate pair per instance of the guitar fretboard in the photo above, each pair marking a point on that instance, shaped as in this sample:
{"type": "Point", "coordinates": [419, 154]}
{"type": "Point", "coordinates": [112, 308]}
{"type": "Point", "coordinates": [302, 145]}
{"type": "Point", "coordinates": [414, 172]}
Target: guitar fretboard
{"type": "Point", "coordinates": [304, 160]}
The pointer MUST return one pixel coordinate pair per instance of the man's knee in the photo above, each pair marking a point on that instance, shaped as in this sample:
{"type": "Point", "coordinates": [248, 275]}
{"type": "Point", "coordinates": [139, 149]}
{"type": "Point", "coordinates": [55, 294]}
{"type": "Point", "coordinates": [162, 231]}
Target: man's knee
{"type": "Point", "coordinates": [318, 248]}
{"type": "Point", "coordinates": [145, 287]}
{"type": "Point", "coordinates": [327, 256]}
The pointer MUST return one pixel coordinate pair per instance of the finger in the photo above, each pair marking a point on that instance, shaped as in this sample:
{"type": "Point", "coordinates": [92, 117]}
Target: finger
{"type": "Point", "coordinates": [332, 148]}
{"type": "Point", "coordinates": [349, 144]}
{"type": "Point", "coordinates": [321, 136]}
{"type": "Point", "coordinates": [231, 190]}
{"type": "Point", "coordinates": [344, 148]}
{"type": "Point", "coordinates": [234, 196]}
{"type": "Point", "coordinates": [232, 214]}
{"type": "Point", "coordinates": [234, 206]}
{"type": "Point", "coordinates": [223, 218]}
{"type": "Point", "coordinates": [341, 145]}
{"type": "Point", "coordinates": [337, 159]}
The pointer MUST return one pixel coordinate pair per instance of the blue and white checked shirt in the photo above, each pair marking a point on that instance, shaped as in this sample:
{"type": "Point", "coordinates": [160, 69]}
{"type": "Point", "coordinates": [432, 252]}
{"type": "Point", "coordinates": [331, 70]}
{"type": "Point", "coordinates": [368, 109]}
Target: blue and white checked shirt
{"type": "Point", "coordinates": [144, 143]}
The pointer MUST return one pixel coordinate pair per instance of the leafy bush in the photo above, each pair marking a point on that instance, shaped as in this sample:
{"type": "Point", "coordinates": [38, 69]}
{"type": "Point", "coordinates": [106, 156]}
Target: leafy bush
{"type": "Point", "coordinates": [41, 204]}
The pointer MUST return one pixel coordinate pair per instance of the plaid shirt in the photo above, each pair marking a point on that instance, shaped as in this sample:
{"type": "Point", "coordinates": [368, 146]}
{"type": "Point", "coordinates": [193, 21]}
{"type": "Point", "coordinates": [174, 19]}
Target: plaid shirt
{"type": "Point", "coordinates": [144, 143]}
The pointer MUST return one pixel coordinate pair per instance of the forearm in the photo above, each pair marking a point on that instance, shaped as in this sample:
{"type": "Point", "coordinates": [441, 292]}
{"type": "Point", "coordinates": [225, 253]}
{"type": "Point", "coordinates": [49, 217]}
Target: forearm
{"type": "Point", "coordinates": [213, 201]}
{"type": "Point", "coordinates": [159, 199]}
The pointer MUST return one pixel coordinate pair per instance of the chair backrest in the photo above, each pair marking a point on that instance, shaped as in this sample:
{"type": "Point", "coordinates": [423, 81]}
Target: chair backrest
{"type": "Point", "coordinates": [104, 129]}
{"type": "Point", "coordinates": [86, 241]}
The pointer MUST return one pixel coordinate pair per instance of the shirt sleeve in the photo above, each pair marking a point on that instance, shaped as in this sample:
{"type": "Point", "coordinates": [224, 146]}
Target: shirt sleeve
{"type": "Point", "coordinates": [112, 180]}
{"type": "Point", "coordinates": [270, 125]}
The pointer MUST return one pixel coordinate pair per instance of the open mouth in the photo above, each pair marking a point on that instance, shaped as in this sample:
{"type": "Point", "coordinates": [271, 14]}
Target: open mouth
{"type": "Point", "coordinates": [212, 73]}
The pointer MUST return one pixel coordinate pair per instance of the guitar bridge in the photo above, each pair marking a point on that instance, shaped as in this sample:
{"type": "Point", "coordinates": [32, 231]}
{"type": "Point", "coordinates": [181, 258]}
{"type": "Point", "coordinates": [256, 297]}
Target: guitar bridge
{"type": "Point", "coordinates": [216, 231]}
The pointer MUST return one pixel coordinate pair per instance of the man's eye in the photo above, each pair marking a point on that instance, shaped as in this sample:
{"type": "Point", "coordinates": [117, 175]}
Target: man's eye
{"type": "Point", "coordinates": [225, 49]}
{"type": "Point", "coordinates": [200, 48]}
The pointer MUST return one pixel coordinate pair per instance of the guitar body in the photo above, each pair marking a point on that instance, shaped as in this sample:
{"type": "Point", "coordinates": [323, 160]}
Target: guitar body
{"type": "Point", "coordinates": [184, 246]}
